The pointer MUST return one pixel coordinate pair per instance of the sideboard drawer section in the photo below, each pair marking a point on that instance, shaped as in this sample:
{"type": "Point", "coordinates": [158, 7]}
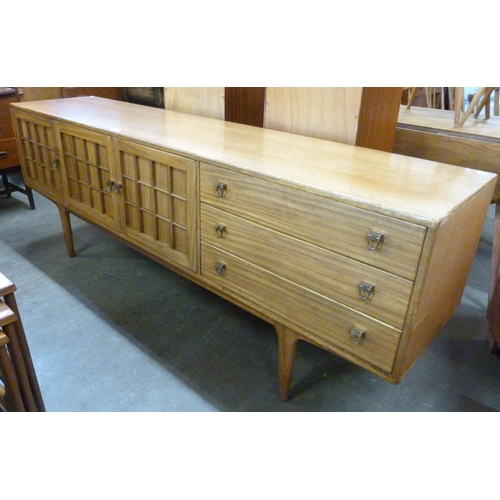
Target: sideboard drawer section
{"type": "Point", "coordinates": [299, 306]}
{"type": "Point", "coordinates": [344, 229]}
{"type": "Point", "coordinates": [364, 288]}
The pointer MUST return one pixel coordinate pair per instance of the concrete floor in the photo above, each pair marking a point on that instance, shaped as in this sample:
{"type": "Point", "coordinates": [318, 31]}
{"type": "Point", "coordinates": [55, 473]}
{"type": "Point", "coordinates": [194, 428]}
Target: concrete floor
{"type": "Point", "coordinates": [110, 330]}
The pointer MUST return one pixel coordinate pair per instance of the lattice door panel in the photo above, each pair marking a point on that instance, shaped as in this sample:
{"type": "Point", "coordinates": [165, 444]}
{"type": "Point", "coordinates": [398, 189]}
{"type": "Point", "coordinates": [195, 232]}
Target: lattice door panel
{"type": "Point", "coordinates": [39, 156]}
{"type": "Point", "coordinates": [88, 172]}
{"type": "Point", "coordinates": [157, 199]}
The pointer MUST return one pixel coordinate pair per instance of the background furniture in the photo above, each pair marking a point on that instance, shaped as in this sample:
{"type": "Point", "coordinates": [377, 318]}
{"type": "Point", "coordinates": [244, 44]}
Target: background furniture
{"type": "Point", "coordinates": [9, 159]}
{"type": "Point", "coordinates": [432, 135]}
{"type": "Point", "coordinates": [18, 350]}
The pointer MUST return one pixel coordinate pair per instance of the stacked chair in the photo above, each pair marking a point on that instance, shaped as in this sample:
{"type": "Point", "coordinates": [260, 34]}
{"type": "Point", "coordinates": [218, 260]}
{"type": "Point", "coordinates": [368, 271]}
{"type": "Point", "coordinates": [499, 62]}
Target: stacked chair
{"type": "Point", "coordinates": [19, 389]}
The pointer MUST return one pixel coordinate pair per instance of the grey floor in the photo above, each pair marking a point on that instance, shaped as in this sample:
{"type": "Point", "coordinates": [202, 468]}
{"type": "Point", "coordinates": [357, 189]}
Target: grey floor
{"type": "Point", "coordinates": [110, 330]}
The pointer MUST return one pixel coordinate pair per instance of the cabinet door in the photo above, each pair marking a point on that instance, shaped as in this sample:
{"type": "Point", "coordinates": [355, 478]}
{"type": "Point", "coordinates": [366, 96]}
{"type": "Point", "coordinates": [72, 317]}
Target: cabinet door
{"type": "Point", "coordinates": [88, 174]}
{"type": "Point", "coordinates": [38, 154]}
{"type": "Point", "coordinates": [159, 199]}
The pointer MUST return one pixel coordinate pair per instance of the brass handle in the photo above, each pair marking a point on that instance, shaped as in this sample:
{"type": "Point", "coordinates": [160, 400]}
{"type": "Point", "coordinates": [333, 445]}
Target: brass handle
{"type": "Point", "coordinates": [220, 189]}
{"type": "Point", "coordinates": [55, 162]}
{"type": "Point", "coordinates": [3, 154]}
{"type": "Point", "coordinates": [365, 291]}
{"type": "Point", "coordinates": [111, 185]}
{"type": "Point", "coordinates": [220, 230]}
{"type": "Point", "coordinates": [357, 335]}
{"type": "Point", "coordinates": [118, 188]}
{"type": "Point", "coordinates": [374, 240]}
{"type": "Point", "coordinates": [220, 268]}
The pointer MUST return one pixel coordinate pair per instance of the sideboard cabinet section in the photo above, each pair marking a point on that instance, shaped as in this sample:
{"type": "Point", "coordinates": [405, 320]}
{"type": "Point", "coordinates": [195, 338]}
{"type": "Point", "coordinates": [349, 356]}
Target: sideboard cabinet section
{"type": "Point", "coordinates": [39, 156]}
{"type": "Point", "coordinates": [158, 200]}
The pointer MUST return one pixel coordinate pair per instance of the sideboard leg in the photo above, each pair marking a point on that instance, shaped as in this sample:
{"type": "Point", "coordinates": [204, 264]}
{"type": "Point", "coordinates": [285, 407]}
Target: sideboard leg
{"type": "Point", "coordinates": [287, 343]}
{"type": "Point", "coordinates": [68, 233]}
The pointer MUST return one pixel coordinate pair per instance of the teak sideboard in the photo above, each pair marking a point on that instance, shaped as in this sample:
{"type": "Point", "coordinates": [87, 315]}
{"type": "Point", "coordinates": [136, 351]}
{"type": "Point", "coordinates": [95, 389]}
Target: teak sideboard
{"type": "Point", "coordinates": [360, 252]}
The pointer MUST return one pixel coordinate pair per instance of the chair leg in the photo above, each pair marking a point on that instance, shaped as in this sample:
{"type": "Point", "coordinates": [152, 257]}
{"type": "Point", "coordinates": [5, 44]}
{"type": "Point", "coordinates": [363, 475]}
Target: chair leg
{"type": "Point", "coordinates": [6, 185]}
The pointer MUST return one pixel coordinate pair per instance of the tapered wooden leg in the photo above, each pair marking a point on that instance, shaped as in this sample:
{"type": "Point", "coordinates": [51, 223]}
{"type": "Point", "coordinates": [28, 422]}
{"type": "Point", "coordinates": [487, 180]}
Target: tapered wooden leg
{"type": "Point", "coordinates": [68, 233]}
{"type": "Point", "coordinates": [287, 343]}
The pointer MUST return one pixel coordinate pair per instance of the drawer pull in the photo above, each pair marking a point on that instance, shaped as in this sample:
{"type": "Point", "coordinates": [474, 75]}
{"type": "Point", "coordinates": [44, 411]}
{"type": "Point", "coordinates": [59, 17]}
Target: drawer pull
{"type": "Point", "coordinates": [220, 189]}
{"type": "Point", "coordinates": [365, 291]}
{"type": "Point", "coordinates": [117, 188]}
{"type": "Point", "coordinates": [374, 240]}
{"type": "Point", "coordinates": [3, 154]}
{"type": "Point", "coordinates": [220, 268]}
{"type": "Point", "coordinates": [357, 335]}
{"type": "Point", "coordinates": [55, 162]}
{"type": "Point", "coordinates": [111, 185]}
{"type": "Point", "coordinates": [220, 230]}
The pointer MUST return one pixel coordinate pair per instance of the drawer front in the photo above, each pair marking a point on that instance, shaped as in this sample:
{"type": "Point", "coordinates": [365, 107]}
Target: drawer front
{"type": "Point", "coordinates": [326, 223]}
{"type": "Point", "coordinates": [8, 153]}
{"type": "Point", "coordinates": [288, 302]}
{"type": "Point", "coordinates": [367, 289]}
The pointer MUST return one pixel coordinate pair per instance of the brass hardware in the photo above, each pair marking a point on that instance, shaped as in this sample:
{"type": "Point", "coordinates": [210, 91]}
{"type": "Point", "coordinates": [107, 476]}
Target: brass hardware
{"type": "Point", "coordinates": [55, 162]}
{"type": "Point", "coordinates": [111, 185]}
{"type": "Point", "coordinates": [220, 230]}
{"type": "Point", "coordinates": [3, 154]}
{"type": "Point", "coordinates": [374, 240]}
{"type": "Point", "coordinates": [220, 268]}
{"type": "Point", "coordinates": [117, 188]}
{"type": "Point", "coordinates": [220, 189]}
{"type": "Point", "coordinates": [365, 291]}
{"type": "Point", "coordinates": [357, 335]}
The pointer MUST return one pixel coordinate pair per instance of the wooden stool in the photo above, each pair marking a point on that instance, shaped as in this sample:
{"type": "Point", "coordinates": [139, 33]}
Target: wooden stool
{"type": "Point", "coordinates": [13, 398]}
{"type": "Point", "coordinates": [20, 352]}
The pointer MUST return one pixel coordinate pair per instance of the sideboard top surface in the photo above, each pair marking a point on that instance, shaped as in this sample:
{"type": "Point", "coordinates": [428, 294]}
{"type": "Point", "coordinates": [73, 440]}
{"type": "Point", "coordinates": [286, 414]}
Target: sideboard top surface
{"type": "Point", "coordinates": [405, 187]}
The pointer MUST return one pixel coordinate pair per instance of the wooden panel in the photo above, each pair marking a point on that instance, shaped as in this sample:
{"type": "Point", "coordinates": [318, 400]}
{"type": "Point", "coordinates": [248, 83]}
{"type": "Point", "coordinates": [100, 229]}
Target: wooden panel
{"type": "Point", "coordinates": [39, 93]}
{"type": "Point", "coordinates": [445, 269]}
{"type": "Point", "coordinates": [378, 117]}
{"type": "Point", "coordinates": [245, 105]}
{"type": "Point", "coordinates": [325, 272]}
{"type": "Point", "coordinates": [322, 112]}
{"type": "Point", "coordinates": [158, 200]}
{"type": "Point", "coordinates": [106, 92]}
{"type": "Point", "coordinates": [299, 306]}
{"type": "Point", "coordinates": [202, 101]}
{"type": "Point", "coordinates": [37, 150]}
{"type": "Point", "coordinates": [338, 227]}
{"type": "Point", "coordinates": [6, 129]}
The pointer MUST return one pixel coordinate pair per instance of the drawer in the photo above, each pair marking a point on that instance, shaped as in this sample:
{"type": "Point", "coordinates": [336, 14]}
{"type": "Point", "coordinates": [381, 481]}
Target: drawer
{"type": "Point", "coordinates": [290, 303]}
{"type": "Point", "coordinates": [385, 296]}
{"type": "Point", "coordinates": [9, 156]}
{"type": "Point", "coordinates": [329, 224]}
